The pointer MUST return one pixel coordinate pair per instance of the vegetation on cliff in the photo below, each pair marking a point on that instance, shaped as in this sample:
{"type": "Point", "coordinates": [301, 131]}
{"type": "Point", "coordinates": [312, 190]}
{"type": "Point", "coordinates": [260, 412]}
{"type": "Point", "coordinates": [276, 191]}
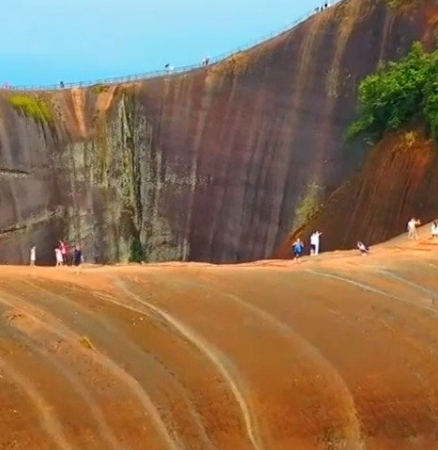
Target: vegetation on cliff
{"type": "Point", "coordinates": [398, 93]}
{"type": "Point", "coordinates": [399, 3]}
{"type": "Point", "coordinates": [33, 106]}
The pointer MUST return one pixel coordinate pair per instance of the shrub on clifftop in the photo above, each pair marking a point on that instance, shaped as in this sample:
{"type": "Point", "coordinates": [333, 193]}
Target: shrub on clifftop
{"type": "Point", "coordinates": [397, 93]}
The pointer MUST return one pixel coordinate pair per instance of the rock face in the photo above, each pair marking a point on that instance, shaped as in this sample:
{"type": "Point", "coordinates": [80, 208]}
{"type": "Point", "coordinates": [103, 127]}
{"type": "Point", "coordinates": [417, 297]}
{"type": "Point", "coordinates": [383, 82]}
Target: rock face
{"type": "Point", "coordinates": [214, 165]}
{"type": "Point", "coordinates": [399, 180]}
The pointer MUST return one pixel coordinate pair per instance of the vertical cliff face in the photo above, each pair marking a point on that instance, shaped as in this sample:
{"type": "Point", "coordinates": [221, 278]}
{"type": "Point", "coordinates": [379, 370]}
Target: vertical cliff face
{"type": "Point", "coordinates": [213, 165]}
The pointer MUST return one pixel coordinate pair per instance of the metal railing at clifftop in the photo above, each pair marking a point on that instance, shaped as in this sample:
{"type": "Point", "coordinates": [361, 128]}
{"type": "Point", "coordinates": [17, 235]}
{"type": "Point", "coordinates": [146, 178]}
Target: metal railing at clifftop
{"type": "Point", "coordinates": [174, 71]}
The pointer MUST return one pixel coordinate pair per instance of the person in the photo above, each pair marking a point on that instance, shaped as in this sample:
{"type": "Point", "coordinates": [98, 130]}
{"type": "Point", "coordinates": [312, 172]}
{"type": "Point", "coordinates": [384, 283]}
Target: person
{"type": "Point", "coordinates": [63, 249]}
{"type": "Point", "coordinates": [59, 257]}
{"type": "Point", "coordinates": [434, 230]}
{"type": "Point", "coordinates": [62, 85]}
{"type": "Point", "coordinates": [412, 228]}
{"type": "Point", "coordinates": [33, 255]}
{"type": "Point", "coordinates": [298, 248]}
{"type": "Point", "coordinates": [362, 248]}
{"type": "Point", "coordinates": [77, 257]}
{"type": "Point", "coordinates": [314, 243]}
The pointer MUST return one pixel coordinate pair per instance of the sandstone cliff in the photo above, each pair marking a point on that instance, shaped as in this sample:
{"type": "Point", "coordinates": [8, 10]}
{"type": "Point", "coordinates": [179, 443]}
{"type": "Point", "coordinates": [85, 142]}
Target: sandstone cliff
{"type": "Point", "coordinates": [213, 165]}
{"type": "Point", "coordinates": [398, 181]}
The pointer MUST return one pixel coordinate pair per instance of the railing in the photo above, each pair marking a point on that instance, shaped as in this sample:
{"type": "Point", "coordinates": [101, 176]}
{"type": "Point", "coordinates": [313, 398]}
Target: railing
{"type": "Point", "coordinates": [168, 72]}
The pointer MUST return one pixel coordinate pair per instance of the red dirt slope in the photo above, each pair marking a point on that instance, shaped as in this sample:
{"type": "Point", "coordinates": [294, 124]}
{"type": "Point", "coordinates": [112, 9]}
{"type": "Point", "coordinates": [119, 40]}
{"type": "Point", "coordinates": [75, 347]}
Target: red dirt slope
{"type": "Point", "coordinates": [336, 352]}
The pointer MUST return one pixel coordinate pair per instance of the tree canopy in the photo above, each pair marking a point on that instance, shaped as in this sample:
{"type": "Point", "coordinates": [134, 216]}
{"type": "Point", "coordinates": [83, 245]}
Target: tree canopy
{"type": "Point", "coordinates": [397, 93]}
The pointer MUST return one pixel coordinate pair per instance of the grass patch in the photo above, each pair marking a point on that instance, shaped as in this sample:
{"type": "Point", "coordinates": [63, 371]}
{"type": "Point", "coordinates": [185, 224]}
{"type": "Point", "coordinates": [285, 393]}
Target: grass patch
{"type": "Point", "coordinates": [33, 106]}
{"type": "Point", "coordinates": [99, 89]}
{"type": "Point", "coordinates": [308, 205]}
{"type": "Point", "coordinates": [137, 253]}
{"type": "Point", "coordinates": [399, 3]}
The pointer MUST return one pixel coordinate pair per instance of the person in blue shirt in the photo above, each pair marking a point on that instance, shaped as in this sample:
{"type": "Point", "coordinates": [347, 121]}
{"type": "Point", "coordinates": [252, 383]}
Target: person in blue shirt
{"type": "Point", "coordinates": [298, 248]}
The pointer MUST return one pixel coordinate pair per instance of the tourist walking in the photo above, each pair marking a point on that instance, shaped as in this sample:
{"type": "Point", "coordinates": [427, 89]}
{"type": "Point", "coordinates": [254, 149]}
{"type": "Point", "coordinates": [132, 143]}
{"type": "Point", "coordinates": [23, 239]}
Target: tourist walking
{"type": "Point", "coordinates": [33, 255]}
{"type": "Point", "coordinates": [298, 248]}
{"type": "Point", "coordinates": [412, 228]}
{"type": "Point", "coordinates": [434, 230]}
{"type": "Point", "coordinates": [362, 248]}
{"type": "Point", "coordinates": [59, 258]}
{"type": "Point", "coordinates": [77, 258]}
{"type": "Point", "coordinates": [314, 243]}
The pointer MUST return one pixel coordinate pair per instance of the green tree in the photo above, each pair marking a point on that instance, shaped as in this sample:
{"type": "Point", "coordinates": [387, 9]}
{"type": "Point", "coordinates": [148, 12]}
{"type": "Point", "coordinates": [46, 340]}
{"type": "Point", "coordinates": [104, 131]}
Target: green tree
{"type": "Point", "coordinates": [397, 93]}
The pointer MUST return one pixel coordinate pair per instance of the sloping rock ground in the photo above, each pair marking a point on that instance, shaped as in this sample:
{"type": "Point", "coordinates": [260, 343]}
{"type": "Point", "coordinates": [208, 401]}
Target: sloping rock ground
{"type": "Point", "coordinates": [213, 165]}
{"type": "Point", "coordinates": [334, 352]}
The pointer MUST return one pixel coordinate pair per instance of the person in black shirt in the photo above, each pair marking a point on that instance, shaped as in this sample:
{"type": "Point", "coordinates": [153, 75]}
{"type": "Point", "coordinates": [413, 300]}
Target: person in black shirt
{"type": "Point", "coordinates": [77, 257]}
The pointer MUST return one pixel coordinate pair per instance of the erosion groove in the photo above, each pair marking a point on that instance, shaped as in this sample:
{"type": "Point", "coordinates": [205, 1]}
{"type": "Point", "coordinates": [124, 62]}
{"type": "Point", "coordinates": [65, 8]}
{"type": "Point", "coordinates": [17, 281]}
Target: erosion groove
{"type": "Point", "coordinates": [214, 356]}
{"type": "Point", "coordinates": [49, 422]}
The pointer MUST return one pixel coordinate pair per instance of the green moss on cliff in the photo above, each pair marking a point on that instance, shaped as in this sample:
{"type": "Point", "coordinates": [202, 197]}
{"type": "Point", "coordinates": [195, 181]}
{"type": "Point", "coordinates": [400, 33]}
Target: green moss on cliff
{"type": "Point", "coordinates": [33, 106]}
{"type": "Point", "coordinates": [398, 93]}
{"type": "Point", "coordinates": [399, 3]}
{"type": "Point", "coordinates": [308, 205]}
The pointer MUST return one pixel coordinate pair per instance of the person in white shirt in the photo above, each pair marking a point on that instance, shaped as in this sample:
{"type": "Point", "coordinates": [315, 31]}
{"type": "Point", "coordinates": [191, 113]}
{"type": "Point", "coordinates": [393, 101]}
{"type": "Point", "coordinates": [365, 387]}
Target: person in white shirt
{"type": "Point", "coordinates": [314, 243]}
{"type": "Point", "coordinates": [434, 230]}
{"type": "Point", "coordinates": [59, 257]}
{"type": "Point", "coordinates": [33, 255]}
{"type": "Point", "coordinates": [362, 248]}
{"type": "Point", "coordinates": [412, 228]}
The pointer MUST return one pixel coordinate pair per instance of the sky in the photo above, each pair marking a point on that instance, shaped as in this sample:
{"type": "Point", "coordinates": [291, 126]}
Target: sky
{"type": "Point", "coordinates": [46, 41]}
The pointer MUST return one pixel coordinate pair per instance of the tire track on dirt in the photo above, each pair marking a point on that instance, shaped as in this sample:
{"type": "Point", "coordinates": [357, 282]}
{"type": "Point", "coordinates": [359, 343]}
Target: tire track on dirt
{"type": "Point", "coordinates": [49, 322]}
{"type": "Point", "coordinates": [158, 371]}
{"type": "Point", "coordinates": [315, 354]}
{"type": "Point", "coordinates": [210, 352]}
{"type": "Point", "coordinates": [38, 346]}
{"type": "Point", "coordinates": [48, 420]}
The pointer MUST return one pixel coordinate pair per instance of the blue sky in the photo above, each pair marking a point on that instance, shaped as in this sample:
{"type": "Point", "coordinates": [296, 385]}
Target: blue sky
{"type": "Point", "coordinates": [45, 41]}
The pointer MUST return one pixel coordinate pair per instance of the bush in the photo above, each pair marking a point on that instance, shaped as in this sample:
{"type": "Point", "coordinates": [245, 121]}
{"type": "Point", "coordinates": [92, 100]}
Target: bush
{"type": "Point", "coordinates": [137, 253]}
{"type": "Point", "coordinates": [397, 93]}
{"type": "Point", "coordinates": [33, 106]}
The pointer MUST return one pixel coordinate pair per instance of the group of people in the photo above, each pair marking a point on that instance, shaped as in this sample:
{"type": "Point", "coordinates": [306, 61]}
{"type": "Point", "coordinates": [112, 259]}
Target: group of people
{"type": "Point", "coordinates": [324, 6]}
{"type": "Point", "coordinates": [412, 229]}
{"type": "Point", "coordinates": [298, 246]}
{"type": "Point", "coordinates": [63, 255]}
{"type": "Point", "coordinates": [315, 239]}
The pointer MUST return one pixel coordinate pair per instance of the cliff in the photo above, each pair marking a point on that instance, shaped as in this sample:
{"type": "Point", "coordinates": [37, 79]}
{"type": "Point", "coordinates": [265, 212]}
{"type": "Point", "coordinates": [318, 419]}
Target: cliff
{"type": "Point", "coordinates": [213, 165]}
{"type": "Point", "coordinates": [398, 181]}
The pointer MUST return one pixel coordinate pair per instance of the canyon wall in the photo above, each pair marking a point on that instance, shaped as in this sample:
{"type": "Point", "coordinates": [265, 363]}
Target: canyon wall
{"type": "Point", "coordinates": [398, 181]}
{"type": "Point", "coordinates": [212, 165]}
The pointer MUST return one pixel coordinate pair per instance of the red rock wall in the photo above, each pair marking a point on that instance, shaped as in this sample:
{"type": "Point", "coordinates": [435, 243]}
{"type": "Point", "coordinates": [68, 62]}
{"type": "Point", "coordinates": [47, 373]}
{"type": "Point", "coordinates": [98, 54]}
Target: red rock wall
{"type": "Point", "coordinates": [399, 181]}
{"type": "Point", "coordinates": [205, 166]}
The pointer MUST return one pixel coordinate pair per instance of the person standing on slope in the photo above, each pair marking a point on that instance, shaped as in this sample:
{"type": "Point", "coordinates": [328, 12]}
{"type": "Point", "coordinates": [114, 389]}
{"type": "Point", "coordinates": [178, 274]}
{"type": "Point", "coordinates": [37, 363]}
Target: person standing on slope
{"type": "Point", "coordinates": [434, 230]}
{"type": "Point", "coordinates": [33, 255]}
{"type": "Point", "coordinates": [362, 248]}
{"type": "Point", "coordinates": [298, 249]}
{"type": "Point", "coordinates": [77, 258]}
{"type": "Point", "coordinates": [412, 228]}
{"type": "Point", "coordinates": [58, 257]}
{"type": "Point", "coordinates": [314, 243]}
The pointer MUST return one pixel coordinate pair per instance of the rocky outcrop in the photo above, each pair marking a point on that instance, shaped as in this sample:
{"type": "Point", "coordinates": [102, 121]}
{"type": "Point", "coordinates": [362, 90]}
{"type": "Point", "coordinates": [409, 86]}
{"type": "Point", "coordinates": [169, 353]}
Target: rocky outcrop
{"type": "Point", "coordinates": [399, 181]}
{"type": "Point", "coordinates": [211, 165]}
